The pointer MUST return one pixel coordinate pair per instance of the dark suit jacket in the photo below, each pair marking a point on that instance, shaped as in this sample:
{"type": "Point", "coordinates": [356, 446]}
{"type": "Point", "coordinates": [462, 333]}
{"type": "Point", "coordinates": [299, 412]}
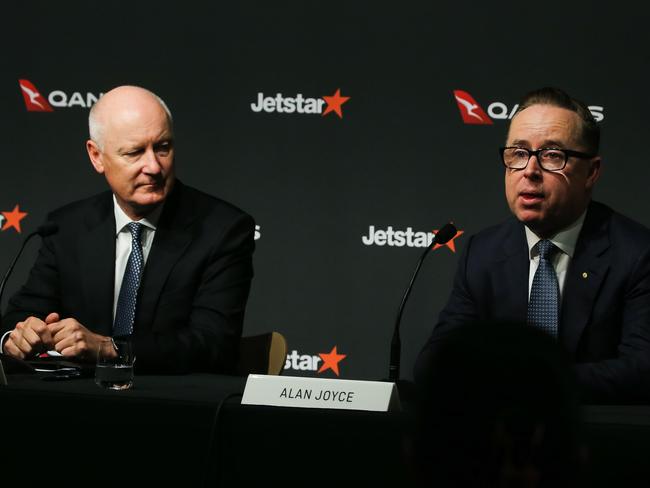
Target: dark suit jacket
{"type": "Point", "coordinates": [605, 311]}
{"type": "Point", "coordinates": [193, 290]}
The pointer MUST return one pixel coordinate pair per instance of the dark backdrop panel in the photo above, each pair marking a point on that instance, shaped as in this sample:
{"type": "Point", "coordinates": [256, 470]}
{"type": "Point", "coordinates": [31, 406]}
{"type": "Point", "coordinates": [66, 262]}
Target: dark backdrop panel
{"type": "Point", "coordinates": [400, 156]}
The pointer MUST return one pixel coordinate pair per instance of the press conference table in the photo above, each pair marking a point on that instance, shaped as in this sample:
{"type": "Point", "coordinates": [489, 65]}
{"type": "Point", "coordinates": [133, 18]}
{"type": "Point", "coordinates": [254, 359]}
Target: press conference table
{"type": "Point", "coordinates": [159, 433]}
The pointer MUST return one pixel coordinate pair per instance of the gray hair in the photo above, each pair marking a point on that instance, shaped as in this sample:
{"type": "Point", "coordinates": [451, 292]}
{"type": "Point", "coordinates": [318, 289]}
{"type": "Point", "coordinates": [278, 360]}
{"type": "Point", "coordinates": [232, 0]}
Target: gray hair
{"type": "Point", "coordinates": [96, 128]}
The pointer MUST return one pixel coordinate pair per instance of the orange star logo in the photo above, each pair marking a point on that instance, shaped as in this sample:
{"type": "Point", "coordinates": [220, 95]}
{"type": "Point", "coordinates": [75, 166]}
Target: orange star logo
{"type": "Point", "coordinates": [13, 219]}
{"type": "Point", "coordinates": [331, 360]}
{"type": "Point", "coordinates": [450, 243]}
{"type": "Point", "coordinates": [334, 103]}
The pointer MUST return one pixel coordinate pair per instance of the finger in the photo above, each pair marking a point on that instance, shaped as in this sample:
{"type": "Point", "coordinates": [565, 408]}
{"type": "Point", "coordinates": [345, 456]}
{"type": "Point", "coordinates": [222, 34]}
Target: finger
{"type": "Point", "coordinates": [23, 346]}
{"type": "Point", "coordinates": [73, 344]}
{"type": "Point", "coordinates": [25, 339]}
{"type": "Point", "coordinates": [43, 332]}
{"type": "Point", "coordinates": [78, 349]}
{"type": "Point", "coordinates": [60, 335]}
{"type": "Point", "coordinates": [56, 327]}
{"type": "Point", "coordinates": [62, 329]}
{"type": "Point", "coordinates": [64, 343]}
{"type": "Point", "coordinates": [32, 323]}
{"type": "Point", "coordinates": [69, 352]}
{"type": "Point", "coordinates": [12, 350]}
{"type": "Point", "coordinates": [51, 318]}
{"type": "Point", "coordinates": [20, 346]}
{"type": "Point", "coordinates": [65, 328]}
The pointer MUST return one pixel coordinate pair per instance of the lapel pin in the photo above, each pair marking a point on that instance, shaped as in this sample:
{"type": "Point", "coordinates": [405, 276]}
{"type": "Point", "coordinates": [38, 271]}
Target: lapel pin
{"type": "Point", "coordinates": [584, 274]}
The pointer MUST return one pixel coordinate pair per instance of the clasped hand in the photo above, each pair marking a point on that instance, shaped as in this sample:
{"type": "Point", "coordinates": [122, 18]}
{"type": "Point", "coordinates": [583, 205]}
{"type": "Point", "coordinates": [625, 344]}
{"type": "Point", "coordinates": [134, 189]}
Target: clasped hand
{"type": "Point", "coordinates": [68, 337]}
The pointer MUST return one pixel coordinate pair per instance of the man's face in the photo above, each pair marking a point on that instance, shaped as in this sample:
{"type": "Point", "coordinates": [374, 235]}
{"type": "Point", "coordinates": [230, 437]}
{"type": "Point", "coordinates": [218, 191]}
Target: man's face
{"type": "Point", "coordinates": [543, 200]}
{"type": "Point", "coordinates": [137, 157]}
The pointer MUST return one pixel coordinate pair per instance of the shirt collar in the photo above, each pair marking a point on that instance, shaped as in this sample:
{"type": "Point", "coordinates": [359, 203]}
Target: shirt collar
{"type": "Point", "coordinates": [122, 220]}
{"type": "Point", "coordinates": [566, 239]}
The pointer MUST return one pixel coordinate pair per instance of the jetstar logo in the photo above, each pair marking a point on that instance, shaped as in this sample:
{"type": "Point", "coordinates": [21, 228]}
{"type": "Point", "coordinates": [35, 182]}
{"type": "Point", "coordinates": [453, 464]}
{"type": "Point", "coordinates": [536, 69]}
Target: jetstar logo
{"type": "Point", "coordinates": [11, 219]}
{"type": "Point", "coordinates": [300, 104]}
{"type": "Point", "coordinates": [409, 238]}
{"type": "Point", "coordinates": [472, 113]}
{"type": "Point", "coordinates": [36, 102]}
{"type": "Point", "coordinates": [309, 362]}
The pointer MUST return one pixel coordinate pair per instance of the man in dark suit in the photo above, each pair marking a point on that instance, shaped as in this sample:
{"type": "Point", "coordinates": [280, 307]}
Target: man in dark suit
{"type": "Point", "coordinates": [152, 259]}
{"type": "Point", "coordinates": [563, 263]}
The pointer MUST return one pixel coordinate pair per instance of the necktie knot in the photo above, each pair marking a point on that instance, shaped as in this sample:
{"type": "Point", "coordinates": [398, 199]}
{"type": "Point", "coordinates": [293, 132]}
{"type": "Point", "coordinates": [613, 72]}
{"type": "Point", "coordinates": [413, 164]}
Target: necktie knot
{"type": "Point", "coordinates": [135, 228]}
{"type": "Point", "coordinates": [545, 248]}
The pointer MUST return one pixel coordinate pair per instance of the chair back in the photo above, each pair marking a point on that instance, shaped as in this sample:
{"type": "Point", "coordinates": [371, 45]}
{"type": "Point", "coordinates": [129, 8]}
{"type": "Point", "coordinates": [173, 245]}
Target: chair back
{"type": "Point", "coordinates": [262, 354]}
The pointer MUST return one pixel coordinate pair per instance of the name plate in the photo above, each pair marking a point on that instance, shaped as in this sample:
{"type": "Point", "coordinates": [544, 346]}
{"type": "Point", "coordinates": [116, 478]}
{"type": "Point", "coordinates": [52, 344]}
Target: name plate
{"type": "Point", "coordinates": [305, 392]}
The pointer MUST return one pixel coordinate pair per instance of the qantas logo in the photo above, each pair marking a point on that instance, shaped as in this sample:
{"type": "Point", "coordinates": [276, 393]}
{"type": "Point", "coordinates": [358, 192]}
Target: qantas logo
{"type": "Point", "coordinates": [470, 110]}
{"type": "Point", "coordinates": [300, 104]}
{"type": "Point", "coordinates": [472, 113]}
{"type": "Point", "coordinates": [36, 102]}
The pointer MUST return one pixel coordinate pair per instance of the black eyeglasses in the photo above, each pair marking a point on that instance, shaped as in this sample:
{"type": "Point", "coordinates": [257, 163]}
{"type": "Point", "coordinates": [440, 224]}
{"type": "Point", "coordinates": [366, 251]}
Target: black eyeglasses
{"type": "Point", "coordinates": [549, 159]}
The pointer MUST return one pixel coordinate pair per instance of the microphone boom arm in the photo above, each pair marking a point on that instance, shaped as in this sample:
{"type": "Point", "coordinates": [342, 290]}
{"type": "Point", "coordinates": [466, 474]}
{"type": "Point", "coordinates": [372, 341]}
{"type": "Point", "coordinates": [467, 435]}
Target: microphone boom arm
{"type": "Point", "coordinates": [48, 228]}
{"type": "Point", "coordinates": [11, 267]}
{"type": "Point", "coordinates": [447, 232]}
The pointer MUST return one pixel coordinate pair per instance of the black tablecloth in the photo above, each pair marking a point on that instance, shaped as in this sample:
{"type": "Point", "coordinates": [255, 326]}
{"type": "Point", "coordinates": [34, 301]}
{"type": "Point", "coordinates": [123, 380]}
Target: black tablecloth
{"type": "Point", "coordinates": [190, 430]}
{"type": "Point", "coordinates": [165, 430]}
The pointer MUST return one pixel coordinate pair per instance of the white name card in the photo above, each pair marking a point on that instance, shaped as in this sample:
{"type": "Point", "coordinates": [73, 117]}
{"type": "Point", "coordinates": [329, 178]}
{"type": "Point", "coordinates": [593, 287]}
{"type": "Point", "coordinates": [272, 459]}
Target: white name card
{"type": "Point", "coordinates": [305, 392]}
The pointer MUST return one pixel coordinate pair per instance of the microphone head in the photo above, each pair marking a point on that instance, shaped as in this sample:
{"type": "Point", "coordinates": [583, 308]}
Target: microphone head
{"type": "Point", "coordinates": [47, 229]}
{"type": "Point", "coordinates": [447, 232]}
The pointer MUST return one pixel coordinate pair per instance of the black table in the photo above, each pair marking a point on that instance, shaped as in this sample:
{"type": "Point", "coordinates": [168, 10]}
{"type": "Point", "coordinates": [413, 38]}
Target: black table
{"type": "Point", "coordinates": [171, 420]}
{"type": "Point", "coordinates": [166, 431]}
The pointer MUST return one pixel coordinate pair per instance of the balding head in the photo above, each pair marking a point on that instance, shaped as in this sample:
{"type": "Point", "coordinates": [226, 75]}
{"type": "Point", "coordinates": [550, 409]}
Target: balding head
{"type": "Point", "coordinates": [132, 145]}
{"type": "Point", "coordinates": [121, 99]}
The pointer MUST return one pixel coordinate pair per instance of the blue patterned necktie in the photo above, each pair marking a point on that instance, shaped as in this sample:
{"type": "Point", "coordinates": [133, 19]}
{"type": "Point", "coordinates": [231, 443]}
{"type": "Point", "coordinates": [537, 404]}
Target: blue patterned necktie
{"type": "Point", "coordinates": [543, 306]}
{"type": "Point", "coordinates": [125, 312]}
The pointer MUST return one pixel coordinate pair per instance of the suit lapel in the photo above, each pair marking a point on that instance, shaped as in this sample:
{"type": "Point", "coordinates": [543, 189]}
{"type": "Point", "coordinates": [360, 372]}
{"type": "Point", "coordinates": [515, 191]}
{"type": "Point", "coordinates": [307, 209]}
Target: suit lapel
{"type": "Point", "coordinates": [97, 261]}
{"type": "Point", "coordinates": [586, 272]}
{"type": "Point", "coordinates": [510, 275]}
{"type": "Point", "coordinates": [173, 236]}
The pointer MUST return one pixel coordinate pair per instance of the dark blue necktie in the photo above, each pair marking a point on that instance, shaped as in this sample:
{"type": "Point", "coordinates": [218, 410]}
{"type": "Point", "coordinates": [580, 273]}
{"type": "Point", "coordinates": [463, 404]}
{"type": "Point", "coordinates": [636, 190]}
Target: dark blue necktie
{"type": "Point", "coordinates": [544, 303]}
{"type": "Point", "coordinates": [125, 312]}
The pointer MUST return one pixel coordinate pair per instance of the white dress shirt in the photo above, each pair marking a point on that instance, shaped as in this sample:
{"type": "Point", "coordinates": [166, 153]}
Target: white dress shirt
{"type": "Point", "coordinates": [566, 241]}
{"type": "Point", "coordinates": [123, 241]}
{"type": "Point", "coordinates": [123, 249]}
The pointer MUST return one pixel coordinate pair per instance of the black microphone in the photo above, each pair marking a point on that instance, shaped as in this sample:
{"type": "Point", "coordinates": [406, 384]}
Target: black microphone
{"type": "Point", "coordinates": [447, 232]}
{"type": "Point", "coordinates": [47, 229]}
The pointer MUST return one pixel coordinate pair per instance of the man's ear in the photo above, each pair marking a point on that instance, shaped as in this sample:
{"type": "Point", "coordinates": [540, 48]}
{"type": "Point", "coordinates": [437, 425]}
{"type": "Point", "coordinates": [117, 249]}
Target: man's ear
{"type": "Point", "coordinates": [594, 172]}
{"type": "Point", "coordinates": [95, 156]}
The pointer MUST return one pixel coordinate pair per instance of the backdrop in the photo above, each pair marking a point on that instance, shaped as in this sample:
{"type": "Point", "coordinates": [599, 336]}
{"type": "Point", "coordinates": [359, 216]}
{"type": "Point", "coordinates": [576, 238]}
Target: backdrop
{"type": "Point", "coordinates": [347, 129]}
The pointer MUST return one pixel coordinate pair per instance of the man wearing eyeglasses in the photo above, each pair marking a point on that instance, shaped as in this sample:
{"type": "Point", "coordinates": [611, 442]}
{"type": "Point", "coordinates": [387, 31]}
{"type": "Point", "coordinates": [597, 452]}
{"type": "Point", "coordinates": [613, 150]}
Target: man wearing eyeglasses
{"type": "Point", "coordinates": [565, 264]}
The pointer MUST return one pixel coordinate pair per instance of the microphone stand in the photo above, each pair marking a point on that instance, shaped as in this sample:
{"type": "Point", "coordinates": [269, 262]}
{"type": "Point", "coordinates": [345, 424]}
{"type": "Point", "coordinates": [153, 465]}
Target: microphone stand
{"type": "Point", "coordinates": [44, 230]}
{"type": "Point", "coordinates": [11, 267]}
{"type": "Point", "coordinates": [446, 233]}
{"type": "Point", "coordinates": [48, 228]}
{"type": "Point", "coordinates": [396, 343]}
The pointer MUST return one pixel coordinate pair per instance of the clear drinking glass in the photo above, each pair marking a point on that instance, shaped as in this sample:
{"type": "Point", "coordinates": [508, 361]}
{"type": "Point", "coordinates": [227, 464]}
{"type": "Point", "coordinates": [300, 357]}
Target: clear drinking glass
{"type": "Point", "coordinates": [114, 369]}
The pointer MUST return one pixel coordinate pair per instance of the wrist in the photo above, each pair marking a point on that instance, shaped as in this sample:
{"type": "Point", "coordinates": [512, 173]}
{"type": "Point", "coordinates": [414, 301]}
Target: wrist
{"type": "Point", "coordinates": [3, 341]}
